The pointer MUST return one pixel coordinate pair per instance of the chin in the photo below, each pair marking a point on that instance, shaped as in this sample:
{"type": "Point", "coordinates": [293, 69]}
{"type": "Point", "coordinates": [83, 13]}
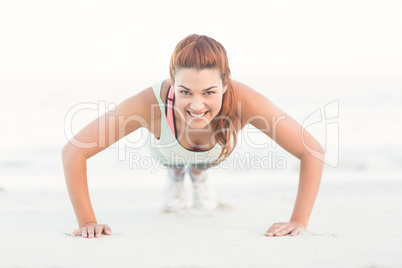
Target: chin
{"type": "Point", "coordinates": [198, 124]}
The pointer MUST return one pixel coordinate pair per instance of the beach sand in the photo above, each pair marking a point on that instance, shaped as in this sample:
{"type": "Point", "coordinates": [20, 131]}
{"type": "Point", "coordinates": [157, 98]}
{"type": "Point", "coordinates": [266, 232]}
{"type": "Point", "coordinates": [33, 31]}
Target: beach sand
{"type": "Point", "coordinates": [355, 223]}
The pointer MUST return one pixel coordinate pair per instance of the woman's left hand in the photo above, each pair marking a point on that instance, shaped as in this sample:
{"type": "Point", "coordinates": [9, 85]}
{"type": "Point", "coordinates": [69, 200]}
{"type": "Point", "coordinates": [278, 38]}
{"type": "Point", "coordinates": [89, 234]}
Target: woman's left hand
{"type": "Point", "coordinates": [283, 228]}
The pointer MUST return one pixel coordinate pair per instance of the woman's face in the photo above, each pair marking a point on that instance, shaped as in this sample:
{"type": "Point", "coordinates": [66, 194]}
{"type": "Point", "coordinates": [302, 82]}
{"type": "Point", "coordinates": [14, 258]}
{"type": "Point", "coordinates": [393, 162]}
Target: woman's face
{"type": "Point", "coordinates": [198, 96]}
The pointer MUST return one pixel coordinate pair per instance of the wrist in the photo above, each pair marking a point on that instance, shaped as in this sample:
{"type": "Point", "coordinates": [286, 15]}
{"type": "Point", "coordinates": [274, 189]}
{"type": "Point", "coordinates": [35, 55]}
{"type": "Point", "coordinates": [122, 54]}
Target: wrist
{"type": "Point", "coordinates": [299, 222]}
{"type": "Point", "coordinates": [87, 223]}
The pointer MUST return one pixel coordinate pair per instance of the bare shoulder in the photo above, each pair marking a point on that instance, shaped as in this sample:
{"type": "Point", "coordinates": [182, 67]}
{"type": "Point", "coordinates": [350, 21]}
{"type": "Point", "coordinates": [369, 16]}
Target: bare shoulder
{"type": "Point", "coordinates": [138, 104]}
{"type": "Point", "coordinates": [262, 113]}
{"type": "Point", "coordinates": [252, 103]}
{"type": "Point", "coordinates": [164, 88]}
{"type": "Point", "coordinates": [139, 110]}
{"type": "Point", "coordinates": [131, 114]}
{"type": "Point", "coordinates": [244, 92]}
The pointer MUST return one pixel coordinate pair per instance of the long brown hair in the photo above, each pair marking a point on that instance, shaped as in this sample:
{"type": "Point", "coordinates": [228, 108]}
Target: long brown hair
{"type": "Point", "coordinates": [202, 52]}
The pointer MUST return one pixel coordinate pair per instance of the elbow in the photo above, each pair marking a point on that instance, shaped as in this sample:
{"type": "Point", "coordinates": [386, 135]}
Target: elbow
{"type": "Point", "coordinates": [312, 148]}
{"type": "Point", "coordinates": [321, 152]}
{"type": "Point", "coordinates": [68, 150]}
{"type": "Point", "coordinates": [65, 150]}
{"type": "Point", "coordinates": [316, 151]}
{"type": "Point", "coordinates": [319, 149]}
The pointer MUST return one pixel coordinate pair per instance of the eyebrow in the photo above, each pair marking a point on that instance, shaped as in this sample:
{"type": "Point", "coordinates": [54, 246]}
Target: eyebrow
{"type": "Point", "coordinates": [202, 90]}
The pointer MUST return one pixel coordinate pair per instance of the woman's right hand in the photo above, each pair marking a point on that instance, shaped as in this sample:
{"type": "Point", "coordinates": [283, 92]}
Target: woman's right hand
{"type": "Point", "coordinates": [92, 230]}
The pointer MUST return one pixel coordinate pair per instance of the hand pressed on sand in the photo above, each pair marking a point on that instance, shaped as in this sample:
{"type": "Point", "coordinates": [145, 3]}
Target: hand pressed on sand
{"type": "Point", "coordinates": [283, 228]}
{"type": "Point", "coordinates": [92, 230]}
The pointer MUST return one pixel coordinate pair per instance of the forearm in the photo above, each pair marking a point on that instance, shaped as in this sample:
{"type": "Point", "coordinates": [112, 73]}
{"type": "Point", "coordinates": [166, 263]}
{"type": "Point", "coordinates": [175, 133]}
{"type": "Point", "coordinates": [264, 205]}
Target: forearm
{"type": "Point", "coordinates": [76, 181]}
{"type": "Point", "coordinates": [309, 184]}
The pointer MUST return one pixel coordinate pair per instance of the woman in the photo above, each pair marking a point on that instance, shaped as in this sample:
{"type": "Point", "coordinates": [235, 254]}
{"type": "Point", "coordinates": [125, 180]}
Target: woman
{"type": "Point", "coordinates": [195, 125]}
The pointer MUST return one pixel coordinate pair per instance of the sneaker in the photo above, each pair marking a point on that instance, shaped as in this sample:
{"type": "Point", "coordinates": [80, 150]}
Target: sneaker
{"type": "Point", "coordinates": [204, 194]}
{"type": "Point", "coordinates": [175, 196]}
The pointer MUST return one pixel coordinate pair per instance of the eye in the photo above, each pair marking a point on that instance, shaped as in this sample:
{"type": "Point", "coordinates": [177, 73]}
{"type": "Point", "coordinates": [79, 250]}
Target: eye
{"type": "Point", "coordinates": [185, 92]}
{"type": "Point", "coordinates": [209, 93]}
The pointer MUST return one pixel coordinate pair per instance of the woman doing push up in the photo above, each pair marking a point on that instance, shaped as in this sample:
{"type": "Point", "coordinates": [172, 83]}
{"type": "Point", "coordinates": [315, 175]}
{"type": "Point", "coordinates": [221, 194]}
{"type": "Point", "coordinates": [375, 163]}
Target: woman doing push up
{"type": "Point", "coordinates": [195, 117]}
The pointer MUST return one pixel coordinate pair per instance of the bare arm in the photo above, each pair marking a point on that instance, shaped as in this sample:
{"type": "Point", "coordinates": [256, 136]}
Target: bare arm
{"type": "Point", "coordinates": [130, 115]}
{"type": "Point", "coordinates": [287, 133]}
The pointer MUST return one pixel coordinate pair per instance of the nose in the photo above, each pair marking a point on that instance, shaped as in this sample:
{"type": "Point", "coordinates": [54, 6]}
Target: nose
{"type": "Point", "coordinates": [197, 104]}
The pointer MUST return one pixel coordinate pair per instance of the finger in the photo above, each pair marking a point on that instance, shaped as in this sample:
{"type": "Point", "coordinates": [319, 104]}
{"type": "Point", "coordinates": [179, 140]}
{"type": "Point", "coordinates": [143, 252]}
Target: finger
{"type": "Point", "coordinates": [281, 229]}
{"type": "Point", "coordinates": [90, 232]}
{"type": "Point", "coordinates": [276, 225]}
{"type": "Point", "coordinates": [75, 233]}
{"type": "Point", "coordinates": [84, 232]}
{"type": "Point", "coordinates": [271, 231]}
{"type": "Point", "coordinates": [296, 231]}
{"type": "Point", "coordinates": [107, 230]}
{"type": "Point", "coordinates": [287, 229]}
{"type": "Point", "coordinates": [274, 228]}
{"type": "Point", "coordinates": [98, 231]}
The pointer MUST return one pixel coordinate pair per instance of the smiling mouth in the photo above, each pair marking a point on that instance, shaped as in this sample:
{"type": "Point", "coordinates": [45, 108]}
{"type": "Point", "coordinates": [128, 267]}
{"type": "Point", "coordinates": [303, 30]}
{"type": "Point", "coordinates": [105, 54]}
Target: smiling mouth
{"type": "Point", "coordinates": [197, 116]}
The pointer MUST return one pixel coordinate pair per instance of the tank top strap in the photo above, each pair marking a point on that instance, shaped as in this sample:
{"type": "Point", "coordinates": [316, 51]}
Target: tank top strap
{"type": "Point", "coordinates": [169, 110]}
{"type": "Point", "coordinates": [157, 91]}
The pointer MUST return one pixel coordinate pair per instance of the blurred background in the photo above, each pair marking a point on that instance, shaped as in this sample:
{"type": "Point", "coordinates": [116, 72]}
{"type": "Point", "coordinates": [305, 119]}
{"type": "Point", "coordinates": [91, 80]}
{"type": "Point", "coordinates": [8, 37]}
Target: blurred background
{"type": "Point", "coordinates": [334, 66]}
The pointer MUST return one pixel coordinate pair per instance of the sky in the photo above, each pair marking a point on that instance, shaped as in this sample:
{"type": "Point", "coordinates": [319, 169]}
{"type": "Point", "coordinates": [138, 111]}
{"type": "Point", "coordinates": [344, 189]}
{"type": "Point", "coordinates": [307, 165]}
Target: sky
{"type": "Point", "coordinates": [135, 39]}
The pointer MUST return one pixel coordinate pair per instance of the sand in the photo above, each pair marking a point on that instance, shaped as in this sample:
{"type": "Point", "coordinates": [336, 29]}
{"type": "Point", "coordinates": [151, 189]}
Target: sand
{"type": "Point", "coordinates": [356, 222]}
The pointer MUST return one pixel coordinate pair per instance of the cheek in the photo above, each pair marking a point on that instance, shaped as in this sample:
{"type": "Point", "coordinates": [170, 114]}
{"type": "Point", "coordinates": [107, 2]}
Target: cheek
{"type": "Point", "coordinates": [215, 105]}
{"type": "Point", "coordinates": [181, 104]}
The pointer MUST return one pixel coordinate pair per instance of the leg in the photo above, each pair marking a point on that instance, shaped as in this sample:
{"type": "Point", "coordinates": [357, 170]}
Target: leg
{"type": "Point", "coordinates": [198, 168]}
{"type": "Point", "coordinates": [195, 170]}
{"type": "Point", "coordinates": [204, 195]}
{"type": "Point", "coordinates": [175, 196]}
{"type": "Point", "coordinates": [179, 170]}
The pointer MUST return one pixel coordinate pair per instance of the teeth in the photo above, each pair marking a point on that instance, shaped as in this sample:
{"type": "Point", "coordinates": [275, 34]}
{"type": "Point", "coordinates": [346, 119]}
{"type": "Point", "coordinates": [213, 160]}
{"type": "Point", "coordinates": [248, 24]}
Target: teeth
{"type": "Point", "coordinates": [197, 115]}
